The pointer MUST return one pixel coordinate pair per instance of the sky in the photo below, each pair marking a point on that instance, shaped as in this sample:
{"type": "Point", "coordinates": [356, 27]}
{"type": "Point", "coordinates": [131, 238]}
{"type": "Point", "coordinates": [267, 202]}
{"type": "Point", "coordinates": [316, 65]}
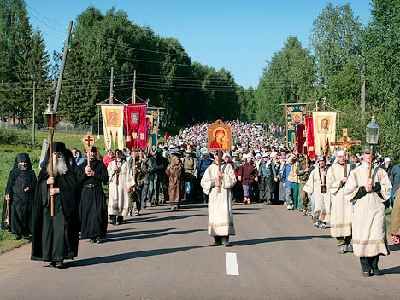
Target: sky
{"type": "Point", "coordinates": [238, 35]}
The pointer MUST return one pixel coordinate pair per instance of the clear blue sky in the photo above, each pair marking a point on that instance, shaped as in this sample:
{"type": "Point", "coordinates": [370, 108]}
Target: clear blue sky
{"type": "Point", "coordinates": [239, 35]}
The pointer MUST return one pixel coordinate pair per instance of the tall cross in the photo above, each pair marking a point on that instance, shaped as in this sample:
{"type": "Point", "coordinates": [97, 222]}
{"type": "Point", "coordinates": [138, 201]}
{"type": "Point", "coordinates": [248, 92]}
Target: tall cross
{"type": "Point", "coordinates": [345, 141]}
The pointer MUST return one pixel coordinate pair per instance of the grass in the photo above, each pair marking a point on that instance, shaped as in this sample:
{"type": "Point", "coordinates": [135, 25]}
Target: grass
{"type": "Point", "coordinates": [14, 141]}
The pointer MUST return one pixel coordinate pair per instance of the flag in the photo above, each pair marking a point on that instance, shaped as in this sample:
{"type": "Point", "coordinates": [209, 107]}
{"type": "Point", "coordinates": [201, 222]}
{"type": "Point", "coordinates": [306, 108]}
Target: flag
{"type": "Point", "coordinates": [300, 138]}
{"type": "Point", "coordinates": [136, 126]}
{"type": "Point", "coordinates": [113, 126]}
{"type": "Point", "coordinates": [310, 137]}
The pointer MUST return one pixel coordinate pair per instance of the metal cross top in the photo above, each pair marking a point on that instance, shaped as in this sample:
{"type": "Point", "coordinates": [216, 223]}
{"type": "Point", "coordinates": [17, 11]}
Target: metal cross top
{"type": "Point", "coordinates": [345, 141]}
{"type": "Point", "coordinates": [88, 141]}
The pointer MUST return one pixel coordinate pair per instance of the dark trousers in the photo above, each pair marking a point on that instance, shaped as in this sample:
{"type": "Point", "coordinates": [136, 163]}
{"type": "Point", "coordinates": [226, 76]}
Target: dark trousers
{"type": "Point", "coordinates": [369, 263]}
{"type": "Point", "coordinates": [265, 188]}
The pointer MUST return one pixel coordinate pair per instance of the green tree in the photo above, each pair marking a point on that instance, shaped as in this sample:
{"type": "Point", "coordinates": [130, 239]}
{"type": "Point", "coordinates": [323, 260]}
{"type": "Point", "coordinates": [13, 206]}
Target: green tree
{"type": "Point", "coordinates": [289, 77]}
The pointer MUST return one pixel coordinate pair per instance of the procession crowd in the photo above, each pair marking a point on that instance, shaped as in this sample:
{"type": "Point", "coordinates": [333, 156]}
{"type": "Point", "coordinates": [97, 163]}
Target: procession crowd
{"type": "Point", "coordinates": [345, 193]}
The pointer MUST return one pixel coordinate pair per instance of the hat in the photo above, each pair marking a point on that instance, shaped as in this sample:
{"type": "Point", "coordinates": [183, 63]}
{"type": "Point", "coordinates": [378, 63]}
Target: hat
{"type": "Point", "coordinates": [204, 151]}
{"type": "Point", "coordinates": [320, 158]}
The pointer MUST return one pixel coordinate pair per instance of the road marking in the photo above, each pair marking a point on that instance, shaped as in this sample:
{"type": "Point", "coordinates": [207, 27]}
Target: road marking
{"type": "Point", "coordinates": [232, 267]}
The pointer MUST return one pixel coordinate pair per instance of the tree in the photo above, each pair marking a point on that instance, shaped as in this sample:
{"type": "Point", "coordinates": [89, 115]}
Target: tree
{"type": "Point", "coordinates": [289, 77]}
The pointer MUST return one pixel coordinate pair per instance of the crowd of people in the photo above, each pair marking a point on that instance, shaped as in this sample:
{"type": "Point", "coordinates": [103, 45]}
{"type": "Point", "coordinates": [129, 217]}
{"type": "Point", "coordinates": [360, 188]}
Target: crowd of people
{"type": "Point", "coordinates": [345, 193]}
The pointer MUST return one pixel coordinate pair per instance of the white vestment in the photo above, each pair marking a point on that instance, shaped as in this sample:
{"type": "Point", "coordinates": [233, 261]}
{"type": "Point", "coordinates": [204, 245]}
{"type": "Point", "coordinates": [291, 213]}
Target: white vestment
{"type": "Point", "coordinates": [220, 202]}
{"type": "Point", "coordinates": [118, 199]}
{"type": "Point", "coordinates": [368, 219]}
{"type": "Point", "coordinates": [341, 209]}
{"type": "Point", "coordinates": [322, 201]}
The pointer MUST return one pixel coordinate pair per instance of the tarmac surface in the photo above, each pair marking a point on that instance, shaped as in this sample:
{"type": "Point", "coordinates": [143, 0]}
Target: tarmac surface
{"type": "Point", "coordinates": [276, 254]}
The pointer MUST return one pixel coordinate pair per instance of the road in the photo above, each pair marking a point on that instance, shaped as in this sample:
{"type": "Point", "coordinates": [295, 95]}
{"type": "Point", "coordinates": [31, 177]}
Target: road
{"type": "Point", "coordinates": [276, 254]}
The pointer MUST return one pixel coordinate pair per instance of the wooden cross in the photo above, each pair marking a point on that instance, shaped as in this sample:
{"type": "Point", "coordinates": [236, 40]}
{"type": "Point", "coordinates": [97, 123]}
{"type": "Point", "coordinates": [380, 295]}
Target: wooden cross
{"type": "Point", "coordinates": [88, 141]}
{"type": "Point", "coordinates": [345, 141]}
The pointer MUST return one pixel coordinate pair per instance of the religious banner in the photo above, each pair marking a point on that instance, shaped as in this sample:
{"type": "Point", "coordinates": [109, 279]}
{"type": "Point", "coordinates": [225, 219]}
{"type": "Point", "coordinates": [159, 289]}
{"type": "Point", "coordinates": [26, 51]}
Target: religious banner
{"type": "Point", "coordinates": [294, 116]}
{"type": "Point", "coordinates": [219, 136]}
{"type": "Point", "coordinates": [113, 126]}
{"type": "Point", "coordinates": [300, 138]}
{"type": "Point", "coordinates": [324, 131]}
{"type": "Point", "coordinates": [136, 126]}
{"type": "Point", "coordinates": [309, 122]}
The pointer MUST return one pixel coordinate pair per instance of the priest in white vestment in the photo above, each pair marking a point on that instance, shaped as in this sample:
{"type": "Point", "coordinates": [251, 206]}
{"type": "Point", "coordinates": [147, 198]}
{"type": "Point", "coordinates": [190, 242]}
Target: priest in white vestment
{"type": "Point", "coordinates": [341, 209]}
{"type": "Point", "coordinates": [118, 198]}
{"type": "Point", "coordinates": [218, 182]}
{"type": "Point", "coordinates": [316, 186]}
{"type": "Point", "coordinates": [368, 195]}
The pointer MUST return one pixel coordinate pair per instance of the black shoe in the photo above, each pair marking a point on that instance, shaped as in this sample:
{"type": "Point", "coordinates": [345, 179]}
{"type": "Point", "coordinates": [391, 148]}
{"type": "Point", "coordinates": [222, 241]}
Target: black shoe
{"type": "Point", "coordinates": [51, 265]}
{"type": "Point", "coordinates": [99, 240]}
{"type": "Point", "coordinates": [18, 237]}
{"type": "Point", "coordinates": [60, 265]}
{"type": "Point", "coordinates": [377, 272]}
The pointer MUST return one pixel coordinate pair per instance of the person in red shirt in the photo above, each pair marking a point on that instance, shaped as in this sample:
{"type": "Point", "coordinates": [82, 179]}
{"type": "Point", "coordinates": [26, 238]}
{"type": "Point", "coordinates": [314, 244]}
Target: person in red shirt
{"type": "Point", "coordinates": [109, 157]}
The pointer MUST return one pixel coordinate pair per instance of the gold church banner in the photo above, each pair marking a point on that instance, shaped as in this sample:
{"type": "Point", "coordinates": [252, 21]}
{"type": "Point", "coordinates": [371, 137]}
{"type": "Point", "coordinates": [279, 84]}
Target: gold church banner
{"type": "Point", "coordinates": [324, 131]}
{"type": "Point", "coordinates": [113, 126]}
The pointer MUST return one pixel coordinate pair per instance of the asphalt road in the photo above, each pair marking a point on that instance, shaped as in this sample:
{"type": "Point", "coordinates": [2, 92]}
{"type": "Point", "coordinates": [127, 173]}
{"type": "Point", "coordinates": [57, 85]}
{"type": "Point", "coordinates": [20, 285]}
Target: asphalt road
{"type": "Point", "coordinates": [276, 254]}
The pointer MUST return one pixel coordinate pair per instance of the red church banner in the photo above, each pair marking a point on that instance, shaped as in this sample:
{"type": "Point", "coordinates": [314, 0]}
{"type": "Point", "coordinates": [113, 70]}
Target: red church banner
{"type": "Point", "coordinates": [310, 136]}
{"type": "Point", "coordinates": [136, 126]}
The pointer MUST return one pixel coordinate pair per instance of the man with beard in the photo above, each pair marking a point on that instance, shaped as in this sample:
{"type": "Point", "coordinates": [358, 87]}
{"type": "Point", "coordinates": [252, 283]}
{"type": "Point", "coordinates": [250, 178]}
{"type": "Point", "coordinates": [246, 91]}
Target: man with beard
{"type": "Point", "coordinates": [55, 238]}
{"type": "Point", "coordinates": [93, 206]}
{"type": "Point", "coordinates": [20, 191]}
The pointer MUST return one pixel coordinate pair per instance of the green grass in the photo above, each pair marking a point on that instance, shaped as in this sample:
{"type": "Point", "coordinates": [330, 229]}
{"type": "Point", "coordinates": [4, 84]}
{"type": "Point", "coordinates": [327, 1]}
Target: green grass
{"type": "Point", "coordinates": [14, 141]}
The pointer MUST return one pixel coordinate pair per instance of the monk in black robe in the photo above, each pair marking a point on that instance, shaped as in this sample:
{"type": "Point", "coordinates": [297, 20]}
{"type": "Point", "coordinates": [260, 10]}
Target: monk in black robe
{"type": "Point", "coordinates": [56, 238]}
{"type": "Point", "coordinates": [93, 204]}
{"type": "Point", "coordinates": [20, 191]}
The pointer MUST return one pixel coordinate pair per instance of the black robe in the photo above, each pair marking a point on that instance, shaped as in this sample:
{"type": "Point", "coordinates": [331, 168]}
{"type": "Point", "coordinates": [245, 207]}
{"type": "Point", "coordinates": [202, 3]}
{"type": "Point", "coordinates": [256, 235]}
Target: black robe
{"type": "Point", "coordinates": [93, 204]}
{"type": "Point", "coordinates": [55, 238]}
{"type": "Point", "coordinates": [21, 200]}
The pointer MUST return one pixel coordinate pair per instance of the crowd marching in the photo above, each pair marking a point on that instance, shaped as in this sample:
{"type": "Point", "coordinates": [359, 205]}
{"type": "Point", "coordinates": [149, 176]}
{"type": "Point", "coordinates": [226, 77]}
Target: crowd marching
{"type": "Point", "coordinates": [335, 190]}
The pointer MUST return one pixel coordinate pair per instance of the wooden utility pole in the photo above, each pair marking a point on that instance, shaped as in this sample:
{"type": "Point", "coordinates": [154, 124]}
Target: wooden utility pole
{"type": "Point", "coordinates": [111, 98]}
{"type": "Point", "coordinates": [134, 88]}
{"type": "Point", "coordinates": [33, 112]}
{"type": "Point", "coordinates": [363, 93]}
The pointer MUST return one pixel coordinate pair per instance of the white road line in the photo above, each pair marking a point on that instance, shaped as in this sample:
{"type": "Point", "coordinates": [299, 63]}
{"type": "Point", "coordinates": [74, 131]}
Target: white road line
{"type": "Point", "coordinates": [232, 267]}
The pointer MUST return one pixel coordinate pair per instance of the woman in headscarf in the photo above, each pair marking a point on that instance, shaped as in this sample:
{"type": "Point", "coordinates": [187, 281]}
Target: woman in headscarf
{"type": "Point", "coordinates": [20, 191]}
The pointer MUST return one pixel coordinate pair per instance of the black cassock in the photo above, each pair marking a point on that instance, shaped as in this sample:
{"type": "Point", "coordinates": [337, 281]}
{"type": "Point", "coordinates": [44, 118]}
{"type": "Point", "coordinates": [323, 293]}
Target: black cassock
{"type": "Point", "coordinates": [21, 186]}
{"type": "Point", "coordinates": [93, 204]}
{"type": "Point", "coordinates": [55, 238]}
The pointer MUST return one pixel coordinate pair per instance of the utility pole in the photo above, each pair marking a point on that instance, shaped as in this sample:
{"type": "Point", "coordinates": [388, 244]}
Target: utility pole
{"type": "Point", "coordinates": [33, 112]}
{"type": "Point", "coordinates": [111, 98]}
{"type": "Point", "coordinates": [363, 93]}
{"type": "Point", "coordinates": [134, 88]}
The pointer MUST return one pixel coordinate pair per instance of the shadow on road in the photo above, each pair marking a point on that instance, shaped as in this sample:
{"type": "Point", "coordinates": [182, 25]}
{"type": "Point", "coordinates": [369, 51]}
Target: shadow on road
{"type": "Point", "coordinates": [131, 233]}
{"type": "Point", "coordinates": [141, 236]}
{"type": "Point", "coordinates": [127, 256]}
{"type": "Point", "coordinates": [278, 239]}
{"type": "Point", "coordinates": [169, 218]}
{"type": "Point", "coordinates": [394, 270]}
{"type": "Point", "coordinates": [394, 248]}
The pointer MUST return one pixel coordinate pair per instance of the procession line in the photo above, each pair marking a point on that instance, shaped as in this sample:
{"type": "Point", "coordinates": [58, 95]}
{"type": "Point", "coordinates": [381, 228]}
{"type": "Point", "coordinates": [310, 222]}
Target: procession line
{"type": "Point", "coordinates": [232, 267]}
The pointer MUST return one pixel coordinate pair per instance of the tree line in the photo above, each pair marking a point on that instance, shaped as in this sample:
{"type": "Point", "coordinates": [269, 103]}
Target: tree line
{"type": "Point", "coordinates": [345, 61]}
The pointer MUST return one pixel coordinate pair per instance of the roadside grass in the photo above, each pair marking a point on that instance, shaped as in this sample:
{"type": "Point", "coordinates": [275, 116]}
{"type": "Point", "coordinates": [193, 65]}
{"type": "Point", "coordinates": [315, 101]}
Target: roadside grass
{"type": "Point", "coordinates": [13, 141]}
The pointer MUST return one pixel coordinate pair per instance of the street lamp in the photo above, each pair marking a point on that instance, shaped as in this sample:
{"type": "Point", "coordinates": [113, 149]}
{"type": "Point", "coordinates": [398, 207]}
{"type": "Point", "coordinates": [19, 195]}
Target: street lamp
{"type": "Point", "coordinates": [372, 133]}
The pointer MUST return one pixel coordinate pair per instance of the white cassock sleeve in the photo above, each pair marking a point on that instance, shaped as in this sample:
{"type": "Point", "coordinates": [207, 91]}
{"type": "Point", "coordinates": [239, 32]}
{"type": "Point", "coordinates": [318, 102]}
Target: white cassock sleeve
{"type": "Point", "coordinates": [351, 186]}
{"type": "Point", "coordinates": [229, 178]}
{"type": "Point", "coordinates": [386, 186]}
{"type": "Point", "coordinates": [207, 182]}
{"type": "Point", "coordinates": [309, 186]}
{"type": "Point", "coordinates": [332, 184]}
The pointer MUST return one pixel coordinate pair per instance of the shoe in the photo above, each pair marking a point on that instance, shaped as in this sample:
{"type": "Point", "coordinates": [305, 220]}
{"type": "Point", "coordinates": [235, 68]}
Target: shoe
{"type": "Point", "coordinates": [376, 272]}
{"type": "Point", "coordinates": [342, 249]}
{"type": "Point", "coordinates": [226, 242]}
{"type": "Point", "coordinates": [60, 265]}
{"type": "Point", "coordinates": [99, 240]}
{"type": "Point", "coordinates": [366, 274]}
{"type": "Point", "coordinates": [349, 248]}
{"type": "Point", "coordinates": [51, 265]}
{"type": "Point", "coordinates": [137, 213]}
{"type": "Point", "coordinates": [18, 237]}
{"type": "Point", "coordinates": [322, 226]}
{"type": "Point", "coordinates": [304, 212]}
